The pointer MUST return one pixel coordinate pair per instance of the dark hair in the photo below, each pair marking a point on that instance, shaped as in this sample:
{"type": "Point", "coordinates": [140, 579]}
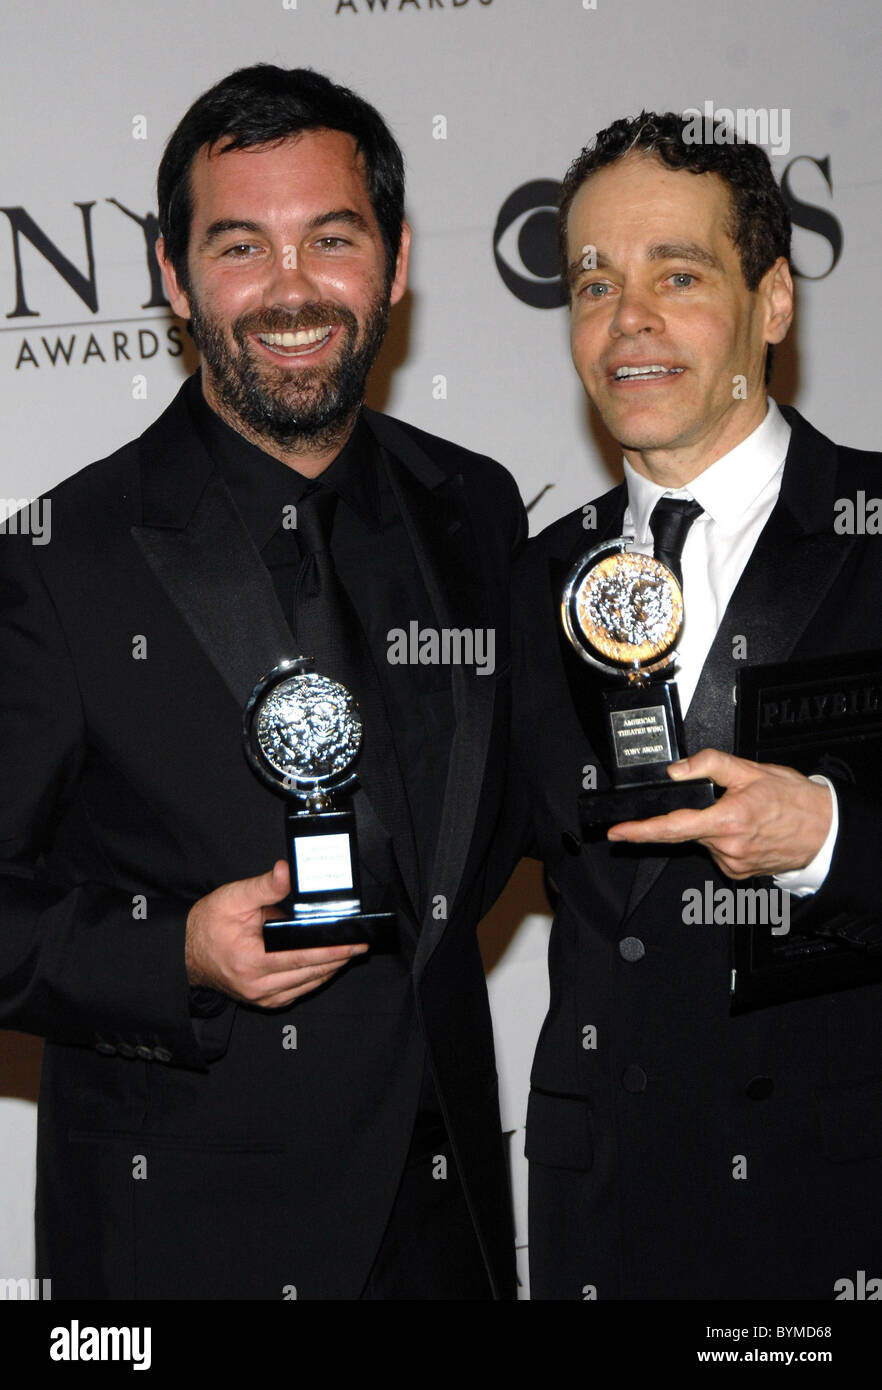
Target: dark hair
{"type": "Point", "coordinates": [265, 104]}
{"type": "Point", "coordinates": [759, 225]}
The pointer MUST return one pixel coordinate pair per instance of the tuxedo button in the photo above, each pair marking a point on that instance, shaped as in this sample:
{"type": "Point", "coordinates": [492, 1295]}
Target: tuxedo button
{"type": "Point", "coordinates": [125, 1050]}
{"type": "Point", "coordinates": [571, 843]}
{"type": "Point", "coordinates": [105, 1048]}
{"type": "Point", "coordinates": [161, 1054]}
{"type": "Point", "coordinates": [634, 1078]}
{"type": "Point", "coordinates": [631, 948]}
{"type": "Point", "coordinates": [760, 1087]}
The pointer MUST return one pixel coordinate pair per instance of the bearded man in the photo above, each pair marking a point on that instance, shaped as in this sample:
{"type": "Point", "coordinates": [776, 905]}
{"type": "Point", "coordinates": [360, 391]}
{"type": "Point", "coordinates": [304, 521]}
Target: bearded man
{"type": "Point", "coordinates": [219, 1120]}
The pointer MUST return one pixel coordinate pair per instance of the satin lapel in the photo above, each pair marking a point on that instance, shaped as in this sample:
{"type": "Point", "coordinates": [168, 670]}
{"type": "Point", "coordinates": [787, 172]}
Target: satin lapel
{"type": "Point", "coordinates": [202, 554]}
{"type": "Point", "coordinates": [382, 782]}
{"type": "Point", "coordinates": [793, 566]}
{"type": "Point", "coordinates": [582, 679]}
{"type": "Point", "coordinates": [609, 520]}
{"type": "Point", "coordinates": [787, 578]}
{"type": "Point", "coordinates": [432, 505]}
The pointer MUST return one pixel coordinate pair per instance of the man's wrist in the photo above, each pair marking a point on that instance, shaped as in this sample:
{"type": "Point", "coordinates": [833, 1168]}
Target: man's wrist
{"type": "Point", "coordinates": [806, 881]}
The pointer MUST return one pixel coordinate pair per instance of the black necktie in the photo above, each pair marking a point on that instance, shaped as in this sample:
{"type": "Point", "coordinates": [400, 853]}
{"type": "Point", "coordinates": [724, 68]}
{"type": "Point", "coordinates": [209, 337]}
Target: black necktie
{"type": "Point", "coordinates": [669, 524]}
{"type": "Point", "coordinates": [328, 629]}
{"type": "Point", "coordinates": [326, 626]}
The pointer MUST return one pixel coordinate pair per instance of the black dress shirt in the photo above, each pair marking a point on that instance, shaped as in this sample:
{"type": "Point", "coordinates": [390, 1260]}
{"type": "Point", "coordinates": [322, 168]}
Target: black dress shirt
{"type": "Point", "coordinates": [377, 568]}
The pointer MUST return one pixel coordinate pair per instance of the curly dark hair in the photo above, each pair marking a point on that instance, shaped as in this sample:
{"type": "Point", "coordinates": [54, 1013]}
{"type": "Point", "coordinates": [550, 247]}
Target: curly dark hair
{"type": "Point", "coordinates": [264, 104]}
{"type": "Point", "coordinates": [759, 226]}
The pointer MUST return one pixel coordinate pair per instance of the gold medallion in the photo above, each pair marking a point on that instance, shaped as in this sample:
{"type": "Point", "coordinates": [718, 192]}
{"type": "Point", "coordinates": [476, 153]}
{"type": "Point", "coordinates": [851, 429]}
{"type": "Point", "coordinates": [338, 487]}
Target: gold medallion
{"type": "Point", "coordinates": [623, 609]}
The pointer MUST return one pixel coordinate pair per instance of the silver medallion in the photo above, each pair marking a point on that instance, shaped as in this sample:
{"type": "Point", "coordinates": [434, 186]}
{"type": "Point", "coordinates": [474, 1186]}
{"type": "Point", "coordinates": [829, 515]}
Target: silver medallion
{"type": "Point", "coordinates": [303, 730]}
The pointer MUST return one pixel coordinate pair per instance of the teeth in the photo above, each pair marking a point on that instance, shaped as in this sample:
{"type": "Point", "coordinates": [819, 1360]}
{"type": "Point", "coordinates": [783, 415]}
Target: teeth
{"type": "Point", "coordinates": [303, 338]}
{"type": "Point", "coordinates": [623, 372]}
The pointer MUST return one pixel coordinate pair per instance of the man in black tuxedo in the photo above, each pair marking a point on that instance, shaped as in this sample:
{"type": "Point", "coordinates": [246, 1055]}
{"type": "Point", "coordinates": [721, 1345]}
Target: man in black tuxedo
{"type": "Point", "coordinates": [216, 1120]}
{"type": "Point", "coordinates": [679, 1150]}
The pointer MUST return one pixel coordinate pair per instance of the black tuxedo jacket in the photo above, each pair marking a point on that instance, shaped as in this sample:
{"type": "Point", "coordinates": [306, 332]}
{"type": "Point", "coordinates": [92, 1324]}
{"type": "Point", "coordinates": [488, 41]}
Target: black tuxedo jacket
{"type": "Point", "coordinates": [635, 1130]}
{"type": "Point", "coordinates": [189, 1147]}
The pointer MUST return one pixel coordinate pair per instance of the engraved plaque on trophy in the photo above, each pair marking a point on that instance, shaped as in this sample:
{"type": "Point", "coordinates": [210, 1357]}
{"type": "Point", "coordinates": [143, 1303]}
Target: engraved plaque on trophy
{"type": "Point", "coordinates": [303, 733]}
{"type": "Point", "coordinates": [623, 613]}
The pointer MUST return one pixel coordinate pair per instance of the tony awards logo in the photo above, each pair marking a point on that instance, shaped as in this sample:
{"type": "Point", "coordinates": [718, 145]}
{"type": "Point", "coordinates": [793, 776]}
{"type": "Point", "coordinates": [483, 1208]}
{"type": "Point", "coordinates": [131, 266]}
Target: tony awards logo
{"type": "Point", "coordinates": [623, 613]}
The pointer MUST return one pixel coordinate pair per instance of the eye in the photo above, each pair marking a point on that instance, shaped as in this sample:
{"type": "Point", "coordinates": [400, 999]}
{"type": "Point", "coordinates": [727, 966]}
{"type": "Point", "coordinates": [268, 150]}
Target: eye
{"type": "Point", "coordinates": [240, 250]}
{"type": "Point", "coordinates": [587, 291]}
{"type": "Point", "coordinates": [330, 243]}
{"type": "Point", "coordinates": [679, 276]}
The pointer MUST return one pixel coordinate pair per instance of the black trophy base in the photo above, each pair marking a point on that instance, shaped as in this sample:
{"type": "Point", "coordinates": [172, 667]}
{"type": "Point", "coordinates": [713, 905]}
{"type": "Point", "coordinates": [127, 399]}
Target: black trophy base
{"type": "Point", "coordinates": [378, 929]}
{"type": "Point", "coordinates": [605, 808]}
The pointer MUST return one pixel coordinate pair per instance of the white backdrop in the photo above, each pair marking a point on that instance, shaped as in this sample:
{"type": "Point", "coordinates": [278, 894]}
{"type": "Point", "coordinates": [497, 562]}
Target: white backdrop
{"type": "Point", "coordinates": [486, 97]}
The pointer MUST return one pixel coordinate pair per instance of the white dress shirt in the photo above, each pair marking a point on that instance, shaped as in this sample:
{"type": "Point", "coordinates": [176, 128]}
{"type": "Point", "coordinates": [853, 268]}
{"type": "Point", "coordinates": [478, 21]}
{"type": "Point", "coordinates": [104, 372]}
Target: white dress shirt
{"type": "Point", "coordinates": [737, 494]}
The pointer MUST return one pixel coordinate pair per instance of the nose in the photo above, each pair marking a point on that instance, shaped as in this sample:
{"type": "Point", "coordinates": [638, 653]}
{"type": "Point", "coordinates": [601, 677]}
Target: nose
{"type": "Point", "coordinates": [289, 281]}
{"type": "Point", "coordinates": [635, 313]}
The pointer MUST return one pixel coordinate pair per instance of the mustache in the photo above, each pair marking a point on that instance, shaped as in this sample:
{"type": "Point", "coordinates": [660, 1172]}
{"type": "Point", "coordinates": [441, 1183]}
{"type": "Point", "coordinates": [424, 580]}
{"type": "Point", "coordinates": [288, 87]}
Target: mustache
{"type": "Point", "coordinates": [312, 315]}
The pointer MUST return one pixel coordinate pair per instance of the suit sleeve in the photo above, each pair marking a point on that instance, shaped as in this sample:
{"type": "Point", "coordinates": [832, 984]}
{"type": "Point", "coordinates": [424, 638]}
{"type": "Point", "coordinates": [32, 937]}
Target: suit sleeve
{"type": "Point", "coordinates": [522, 527]}
{"type": "Point", "coordinates": [80, 962]}
{"type": "Point", "coordinates": [514, 837]}
{"type": "Point", "coordinates": [847, 903]}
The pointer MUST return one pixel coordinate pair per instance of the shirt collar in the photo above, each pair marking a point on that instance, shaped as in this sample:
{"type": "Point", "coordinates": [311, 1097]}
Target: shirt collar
{"type": "Point", "coordinates": [728, 487]}
{"type": "Point", "coordinates": [262, 486]}
{"type": "Point", "coordinates": [353, 474]}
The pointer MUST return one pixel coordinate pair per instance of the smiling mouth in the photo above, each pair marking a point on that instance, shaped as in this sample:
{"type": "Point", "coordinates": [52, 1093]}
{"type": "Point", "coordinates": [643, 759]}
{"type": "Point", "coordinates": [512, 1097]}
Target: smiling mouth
{"type": "Point", "coordinates": [651, 372]}
{"type": "Point", "coordinates": [299, 344]}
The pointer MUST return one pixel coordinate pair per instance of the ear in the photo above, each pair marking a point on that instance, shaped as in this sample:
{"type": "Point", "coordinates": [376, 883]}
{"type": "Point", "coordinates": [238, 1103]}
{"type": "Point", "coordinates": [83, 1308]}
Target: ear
{"type": "Point", "coordinates": [177, 298]}
{"type": "Point", "coordinates": [399, 281]}
{"type": "Point", "coordinates": [776, 292]}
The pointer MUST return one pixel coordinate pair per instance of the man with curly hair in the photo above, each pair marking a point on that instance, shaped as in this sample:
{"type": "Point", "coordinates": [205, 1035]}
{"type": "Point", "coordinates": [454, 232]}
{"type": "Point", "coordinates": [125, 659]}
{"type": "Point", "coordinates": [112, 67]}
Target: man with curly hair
{"type": "Point", "coordinates": [690, 1135]}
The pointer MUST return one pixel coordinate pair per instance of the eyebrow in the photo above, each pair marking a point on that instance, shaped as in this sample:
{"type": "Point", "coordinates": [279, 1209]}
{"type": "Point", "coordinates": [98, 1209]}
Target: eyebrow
{"type": "Point", "coordinates": [683, 251]}
{"type": "Point", "coordinates": [659, 251]}
{"type": "Point", "coordinates": [222, 225]}
{"type": "Point", "coordinates": [346, 215]}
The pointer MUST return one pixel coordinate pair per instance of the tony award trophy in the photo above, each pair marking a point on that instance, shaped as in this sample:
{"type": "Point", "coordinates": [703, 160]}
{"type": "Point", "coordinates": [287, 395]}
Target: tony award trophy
{"type": "Point", "coordinates": [623, 613]}
{"type": "Point", "coordinates": [303, 733]}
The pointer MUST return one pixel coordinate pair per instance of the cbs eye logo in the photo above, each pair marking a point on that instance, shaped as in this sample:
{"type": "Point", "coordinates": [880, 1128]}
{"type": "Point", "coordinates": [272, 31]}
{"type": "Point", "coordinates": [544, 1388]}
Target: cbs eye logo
{"type": "Point", "coordinates": [525, 244]}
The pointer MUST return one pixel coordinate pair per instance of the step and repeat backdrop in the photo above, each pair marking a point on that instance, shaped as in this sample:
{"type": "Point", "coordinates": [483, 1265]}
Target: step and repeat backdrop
{"type": "Point", "coordinates": [490, 100]}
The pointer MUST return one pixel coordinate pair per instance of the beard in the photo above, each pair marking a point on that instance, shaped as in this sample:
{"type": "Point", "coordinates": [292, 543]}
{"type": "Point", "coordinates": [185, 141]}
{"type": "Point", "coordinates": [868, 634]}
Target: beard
{"type": "Point", "coordinates": [306, 407]}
